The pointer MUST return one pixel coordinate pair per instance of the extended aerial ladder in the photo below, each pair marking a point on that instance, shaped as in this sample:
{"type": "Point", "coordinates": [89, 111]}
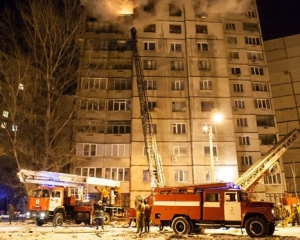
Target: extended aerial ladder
{"type": "Point", "coordinates": [154, 160]}
{"type": "Point", "coordinates": [63, 179]}
{"type": "Point", "coordinates": [268, 162]}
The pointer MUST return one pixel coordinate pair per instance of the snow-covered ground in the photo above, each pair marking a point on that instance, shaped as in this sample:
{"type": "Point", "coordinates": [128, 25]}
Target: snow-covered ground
{"type": "Point", "coordinates": [119, 230]}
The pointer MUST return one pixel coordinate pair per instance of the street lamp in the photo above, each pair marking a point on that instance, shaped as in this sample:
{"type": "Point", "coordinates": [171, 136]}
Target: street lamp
{"type": "Point", "coordinates": [217, 118]}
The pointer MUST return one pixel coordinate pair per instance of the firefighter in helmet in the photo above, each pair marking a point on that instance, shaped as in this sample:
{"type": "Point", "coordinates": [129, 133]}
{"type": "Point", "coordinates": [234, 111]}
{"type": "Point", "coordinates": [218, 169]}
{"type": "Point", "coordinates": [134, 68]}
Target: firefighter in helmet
{"type": "Point", "coordinates": [140, 211]}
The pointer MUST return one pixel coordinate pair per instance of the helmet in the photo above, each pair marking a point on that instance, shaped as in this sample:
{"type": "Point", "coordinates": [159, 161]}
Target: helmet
{"type": "Point", "coordinates": [294, 205]}
{"type": "Point", "coordinates": [278, 204]}
{"type": "Point", "coordinates": [99, 202]}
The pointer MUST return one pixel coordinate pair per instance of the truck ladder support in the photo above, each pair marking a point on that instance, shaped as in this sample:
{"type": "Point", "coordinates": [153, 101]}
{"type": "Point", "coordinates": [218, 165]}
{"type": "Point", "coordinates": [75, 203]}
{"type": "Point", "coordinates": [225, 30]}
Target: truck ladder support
{"type": "Point", "coordinates": [267, 162]}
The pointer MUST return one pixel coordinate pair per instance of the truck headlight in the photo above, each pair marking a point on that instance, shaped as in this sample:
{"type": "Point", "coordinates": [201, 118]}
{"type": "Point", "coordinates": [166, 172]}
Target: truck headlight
{"type": "Point", "coordinates": [43, 215]}
{"type": "Point", "coordinates": [28, 215]}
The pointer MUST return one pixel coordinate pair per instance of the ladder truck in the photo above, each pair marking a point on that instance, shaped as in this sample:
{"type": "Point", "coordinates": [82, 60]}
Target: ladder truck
{"type": "Point", "coordinates": [62, 197]}
{"type": "Point", "coordinates": [213, 205]}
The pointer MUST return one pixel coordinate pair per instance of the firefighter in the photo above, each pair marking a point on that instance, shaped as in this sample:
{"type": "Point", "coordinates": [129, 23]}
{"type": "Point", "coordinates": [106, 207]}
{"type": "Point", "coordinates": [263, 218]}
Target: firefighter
{"type": "Point", "coordinates": [99, 214]}
{"type": "Point", "coordinates": [147, 216]}
{"type": "Point", "coordinates": [295, 215]}
{"type": "Point", "coordinates": [11, 212]}
{"type": "Point", "coordinates": [140, 211]}
{"type": "Point", "coordinates": [105, 195]}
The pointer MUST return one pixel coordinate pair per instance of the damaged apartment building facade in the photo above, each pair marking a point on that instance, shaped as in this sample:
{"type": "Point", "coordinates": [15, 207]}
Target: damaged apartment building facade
{"type": "Point", "coordinates": [198, 58]}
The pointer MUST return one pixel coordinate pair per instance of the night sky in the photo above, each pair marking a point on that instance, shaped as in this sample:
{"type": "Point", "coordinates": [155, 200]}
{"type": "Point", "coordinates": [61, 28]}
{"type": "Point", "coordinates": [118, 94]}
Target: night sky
{"type": "Point", "coordinates": [278, 18]}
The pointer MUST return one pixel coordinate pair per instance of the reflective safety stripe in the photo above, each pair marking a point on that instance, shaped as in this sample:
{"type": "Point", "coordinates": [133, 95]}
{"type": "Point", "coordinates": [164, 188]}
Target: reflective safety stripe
{"type": "Point", "coordinates": [177, 203]}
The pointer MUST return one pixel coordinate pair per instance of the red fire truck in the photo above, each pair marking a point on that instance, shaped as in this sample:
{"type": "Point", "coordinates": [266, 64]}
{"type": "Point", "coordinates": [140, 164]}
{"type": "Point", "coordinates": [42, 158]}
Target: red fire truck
{"type": "Point", "coordinates": [187, 209]}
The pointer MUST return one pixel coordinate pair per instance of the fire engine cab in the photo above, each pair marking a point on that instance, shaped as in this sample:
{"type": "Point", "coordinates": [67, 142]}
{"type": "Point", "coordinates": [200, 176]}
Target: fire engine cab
{"type": "Point", "coordinates": [187, 209]}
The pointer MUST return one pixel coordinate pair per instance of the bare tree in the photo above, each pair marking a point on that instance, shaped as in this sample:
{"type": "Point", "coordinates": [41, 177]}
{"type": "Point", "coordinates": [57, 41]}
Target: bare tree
{"type": "Point", "coordinates": [39, 72]}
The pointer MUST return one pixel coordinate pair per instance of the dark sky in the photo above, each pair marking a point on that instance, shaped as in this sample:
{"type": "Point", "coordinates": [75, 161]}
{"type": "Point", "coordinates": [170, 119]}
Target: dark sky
{"type": "Point", "coordinates": [278, 18]}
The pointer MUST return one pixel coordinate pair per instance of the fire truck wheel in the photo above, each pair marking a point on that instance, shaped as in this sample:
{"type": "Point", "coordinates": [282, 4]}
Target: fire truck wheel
{"type": "Point", "coordinates": [106, 218]}
{"type": "Point", "coordinates": [39, 222]}
{"type": "Point", "coordinates": [57, 220]}
{"type": "Point", "coordinates": [256, 227]}
{"type": "Point", "coordinates": [271, 230]}
{"type": "Point", "coordinates": [181, 225]}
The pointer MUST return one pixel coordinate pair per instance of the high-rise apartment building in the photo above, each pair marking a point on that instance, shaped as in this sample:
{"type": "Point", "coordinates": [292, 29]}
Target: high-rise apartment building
{"type": "Point", "coordinates": [198, 59]}
{"type": "Point", "coordinates": [283, 56]}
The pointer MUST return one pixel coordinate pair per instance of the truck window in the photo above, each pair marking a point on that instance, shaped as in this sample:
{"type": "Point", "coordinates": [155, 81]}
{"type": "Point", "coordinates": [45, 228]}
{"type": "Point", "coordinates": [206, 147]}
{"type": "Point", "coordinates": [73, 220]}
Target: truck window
{"type": "Point", "coordinates": [244, 197]}
{"type": "Point", "coordinates": [230, 197]}
{"type": "Point", "coordinates": [56, 194]}
{"type": "Point", "coordinates": [212, 197]}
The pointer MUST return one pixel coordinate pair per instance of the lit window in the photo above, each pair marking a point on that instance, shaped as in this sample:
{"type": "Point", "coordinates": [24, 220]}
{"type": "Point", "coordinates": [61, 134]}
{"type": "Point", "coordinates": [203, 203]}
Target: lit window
{"type": "Point", "coordinates": [5, 114]}
{"type": "Point", "coordinates": [21, 86]}
{"type": "Point", "coordinates": [14, 128]}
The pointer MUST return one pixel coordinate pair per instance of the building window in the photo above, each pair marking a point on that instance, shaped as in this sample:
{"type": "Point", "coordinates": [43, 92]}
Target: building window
{"type": "Point", "coordinates": [230, 26]}
{"type": "Point", "coordinates": [204, 65]}
{"type": "Point", "coordinates": [150, 28]}
{"type": "Point", "coordinates": [238, 87]}
{"type": "Point", "coordinates": [244, 141]}
{"type": "Point", "coordinates": [262, 103]}
{"type": "Point", "coordinates": [242, 122]}
{"type": "Point", "coordinates": [202, 46]}
{"type": "Point", "coordinates": [118, 127]}
{"type": "Point", "coordinates": [201, 29]}
{"type": "Point", "coordinates": [178, 85]}
{"type": "Point", "coordinates": [151, 105]}
{"type": "Point", "coordinates": [181, 176]}
{"type": "Point", "coordinates": [252, 40]}
{"type": "Point", "coordinates": [207, 151]}
{"type": "Point", "coordinates": [232, 40]}
{"type": "Point", "coordinates": [176, 46]}
{"type": "Point", "coordinates": [179, 128]}
{"type": "Point", "coordinates": [119, 84]}
{"type": "Point", "coordinates": [206, 126]}
{"type": "Point", "coordinates": [175, 28]}
{"type": "Point", "coordinates": [97, 105]}
{"type": "Point", "coordinates": [91, 127]}
{"type": "Point", "coordinates": [178, 106]}
{"type": "Point", "coordinates": [94, 83]}
{"type": "Point", "coordinates": [179, 151]}
{"type": "Point", "coordinates": [255, 56]}
{"type": "Point", "coordinates": [273, 179]}
{"type": "Point", "coordinates": [260, 87]}
{"type": "Point", "coordinates": [234, 55]}
{"type": "Point", "coordinates": [251, 14]}
{"type": "Point", "coordinates": [117, 174]}
{"type": "Point", "coordinates": [206, 85]}
{"type": "Point", "coordinates": [3, 125]}
{"type": "Point", "coordinates": [149, 64]}
{"type": "Point", "coordinates": [250, 26]}
{"type": "Point", "coordinates": [207, 106]}
{"type": "Point", "coordinates": [256, 70]}
{"type": "Point", "coordinates": [239, 104]}
{"type": "Point", "coordinates": [119, 105]}
{"type": "Point", "coordinates": [149, 46]}
{"type": "Point", "coordinates": [236, 71]}
{"type": "Point", "coordinates": [267, 139]}
{"type": "Point", "coordinates": [174, 11]}
{"type": "Point", "coordinates": [146, 176]}
{"type": "Point", "coordinates": [176, 65]}
{"type": "Point", "coordinates": [265, 121]}
{"type": "Point", "coordinates": [150, 84]}
{"type": "Point", "coordinates": [246, 160]}
{"type": "Point", "coordinates": [117, 150]}
{"type": "Point", "coordinates": [89, 172]}
{"type": "Point", "coordinates": [89, 150]}
{"type": "Point", "coordinates": [14, 128]}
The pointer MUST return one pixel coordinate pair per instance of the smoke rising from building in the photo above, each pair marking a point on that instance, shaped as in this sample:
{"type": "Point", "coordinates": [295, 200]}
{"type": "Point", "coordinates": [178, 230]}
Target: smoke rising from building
{"type": "Point", "coordinates": [109, 10]}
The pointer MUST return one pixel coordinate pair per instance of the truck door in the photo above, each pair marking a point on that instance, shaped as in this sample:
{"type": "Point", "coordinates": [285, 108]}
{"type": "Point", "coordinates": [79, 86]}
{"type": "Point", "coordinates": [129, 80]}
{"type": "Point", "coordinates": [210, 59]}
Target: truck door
{"type": "Point", "coordinates": [55, 199]}
{"type": "Point", "coordinates": [212, 206]}
{"type": "Point", "coordinates": [232, 207]}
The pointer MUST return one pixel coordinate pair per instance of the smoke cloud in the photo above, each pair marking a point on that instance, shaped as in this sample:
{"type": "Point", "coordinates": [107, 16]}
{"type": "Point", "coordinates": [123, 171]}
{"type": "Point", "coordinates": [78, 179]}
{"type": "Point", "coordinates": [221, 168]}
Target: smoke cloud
{"type": "Point", "coordinates": [109, 10]}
